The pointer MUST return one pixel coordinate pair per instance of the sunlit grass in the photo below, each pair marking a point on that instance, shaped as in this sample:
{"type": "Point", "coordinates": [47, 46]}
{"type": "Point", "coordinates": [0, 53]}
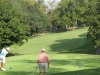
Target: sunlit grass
{"type": "Point", "coordinates": [73, 45]}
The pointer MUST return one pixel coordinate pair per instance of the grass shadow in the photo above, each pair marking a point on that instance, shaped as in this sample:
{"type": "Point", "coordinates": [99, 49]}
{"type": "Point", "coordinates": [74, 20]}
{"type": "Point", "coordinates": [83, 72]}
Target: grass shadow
{"type": "Point", "coordinates": [76, 62]}
{"type": "Point", "coordinates": [76, 45]}
{"type": "Point", "coordinates": [13, 54]}
{"type": "Point", "coordinates": [19, 73]}
{"type": "Point", "coordinates": [58, 69]}
{"type": "Point", "coordinates": [29, 61]}
{"type": "Point", "coordinates": [95, 71]}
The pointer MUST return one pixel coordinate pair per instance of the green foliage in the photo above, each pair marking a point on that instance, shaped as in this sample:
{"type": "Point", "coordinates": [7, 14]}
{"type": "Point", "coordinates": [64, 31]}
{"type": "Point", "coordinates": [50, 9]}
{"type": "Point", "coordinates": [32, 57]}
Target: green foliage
{"type": "Point", "coordinates": [38, 20]}
{"type": "Point", "coordinates": [13, 29]}
{"type": "Point", "coordinates": [20, 18]}
{"type": "Point", "coordinates": [94, 21]}
{"type": "Point", "coordinates": [69, 13]}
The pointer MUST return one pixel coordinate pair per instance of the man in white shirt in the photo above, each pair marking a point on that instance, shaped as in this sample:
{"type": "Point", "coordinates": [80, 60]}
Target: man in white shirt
{"type": "Point", "coordinates": [3, 54]}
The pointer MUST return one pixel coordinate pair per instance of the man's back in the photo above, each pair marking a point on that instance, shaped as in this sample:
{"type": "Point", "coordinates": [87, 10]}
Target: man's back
{"type": "Point", "coordinates": [43, 57]}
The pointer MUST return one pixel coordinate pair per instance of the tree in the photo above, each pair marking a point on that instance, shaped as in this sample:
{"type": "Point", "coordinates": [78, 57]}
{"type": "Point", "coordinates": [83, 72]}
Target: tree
{"type": "Point", "coordinates": [38, 20]}
{"type": "Point", "coordinates": [41, 5]}
{"type": "Point", "coordinates": [70, 13]}
{"type": "Point", "coordinates": [51, 9]}
{"type": "Point", "coordinates": [94, 22]}
{"type": "Point", "coordinates": [13, 29]}
{"type": "Point", "coordinates": [65, 15]}
{"type": "Point", "coordinates": [82, 12]}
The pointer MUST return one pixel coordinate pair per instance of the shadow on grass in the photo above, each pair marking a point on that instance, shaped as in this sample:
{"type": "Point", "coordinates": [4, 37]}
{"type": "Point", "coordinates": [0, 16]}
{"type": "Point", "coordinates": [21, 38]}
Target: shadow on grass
{"type": "Point", "coordinates": [13, 54]}
{"type": "Point", "coordinates": [29, 61]}
{"type": "Point", "coordinates": [93, 64]}
{"type": "Point", "coordinates": [19, 73]}
{"type": "Point", "coordinates": [77, 62]}
{"type": "Point", "coordinates": [72, 62]}
{"type": "Point", "coordinates": [25, 61]}
{"type": "Point", "coordinates": [95, 71]}
{"type": "Point", "coordinates": [76, 45]}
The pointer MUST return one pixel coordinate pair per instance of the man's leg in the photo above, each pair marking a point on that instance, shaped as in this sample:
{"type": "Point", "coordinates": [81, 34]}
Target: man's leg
{"type": "Point", "coordinates": [44, 73]}
{"type": "Point", "coordinates": [45, 68]}
{"type": "Point", "coordinates": [40, 73]}
{"type": "Point", "coordinates": [40, 68]}
{"type": "Point", "coordinates": [2, 65]}
{"type": "Point", "coordinates": [2, 60]}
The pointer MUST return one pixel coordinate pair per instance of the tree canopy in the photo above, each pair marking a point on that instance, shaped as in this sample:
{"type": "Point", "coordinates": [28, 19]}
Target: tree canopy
{"type": "Point", "coordinates": [20, 19]}
{"type": "Point", "coordinates": [94, 22]}
{"type": "Point", "coordinates": [12, 26]}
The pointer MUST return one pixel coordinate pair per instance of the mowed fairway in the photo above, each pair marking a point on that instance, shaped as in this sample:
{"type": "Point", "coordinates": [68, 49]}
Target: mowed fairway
{"type": "Point", "coordinates": [73, 45]}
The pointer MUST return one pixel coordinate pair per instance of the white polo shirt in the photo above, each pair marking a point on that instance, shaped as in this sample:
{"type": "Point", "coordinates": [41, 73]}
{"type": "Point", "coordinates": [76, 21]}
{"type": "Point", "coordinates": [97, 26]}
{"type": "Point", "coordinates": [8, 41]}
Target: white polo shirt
{"type": "Point", "coordinates": [3, 52]}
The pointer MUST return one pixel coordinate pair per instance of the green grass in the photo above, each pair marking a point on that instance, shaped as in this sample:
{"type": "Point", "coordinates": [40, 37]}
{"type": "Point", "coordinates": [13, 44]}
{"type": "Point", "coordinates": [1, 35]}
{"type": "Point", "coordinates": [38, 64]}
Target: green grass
{"type": "Point", "coordinates": [70, 41]}
{"type": "Point", "coordinates": [59, 46]}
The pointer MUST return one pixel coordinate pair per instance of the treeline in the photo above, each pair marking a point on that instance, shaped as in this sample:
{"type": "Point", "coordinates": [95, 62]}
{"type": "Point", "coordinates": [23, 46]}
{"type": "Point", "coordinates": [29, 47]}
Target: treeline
{"type": "Point", "coordinates": [20, 19]}
{"type": "Point", "coordinates": [74, 13]}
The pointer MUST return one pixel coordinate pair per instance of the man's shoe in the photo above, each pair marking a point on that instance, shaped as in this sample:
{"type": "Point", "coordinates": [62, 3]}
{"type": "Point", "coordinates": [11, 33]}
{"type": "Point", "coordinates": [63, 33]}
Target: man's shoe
{"type": "Point", "coordinates": [3, 69]}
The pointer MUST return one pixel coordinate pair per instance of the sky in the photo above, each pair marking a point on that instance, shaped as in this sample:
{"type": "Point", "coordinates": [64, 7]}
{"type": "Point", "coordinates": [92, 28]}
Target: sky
{"type": "Point", "coordinates": [52, 0]}
{"type": "Point", "coordinates": [46, 2]}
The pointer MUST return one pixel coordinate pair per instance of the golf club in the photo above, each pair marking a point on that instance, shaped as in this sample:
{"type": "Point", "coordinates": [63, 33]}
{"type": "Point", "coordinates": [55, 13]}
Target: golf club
{"type": "Point", "coordinates": [36, 69]}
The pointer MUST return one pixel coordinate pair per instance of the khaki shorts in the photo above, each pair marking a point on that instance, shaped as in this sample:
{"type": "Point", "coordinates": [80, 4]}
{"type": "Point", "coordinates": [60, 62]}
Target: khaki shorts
{"type": "Point", "coordinates": [43, 66]}
{"type": "Point", "coordinates": [2, 59]}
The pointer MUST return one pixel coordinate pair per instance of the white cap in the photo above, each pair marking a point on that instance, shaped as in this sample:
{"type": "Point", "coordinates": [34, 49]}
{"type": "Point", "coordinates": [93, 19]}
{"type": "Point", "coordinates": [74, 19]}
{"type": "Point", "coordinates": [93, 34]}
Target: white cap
{"type": "Point", "coordinates": [8, 48]}
{"type": "Point", "coordinates": [43, 49]}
